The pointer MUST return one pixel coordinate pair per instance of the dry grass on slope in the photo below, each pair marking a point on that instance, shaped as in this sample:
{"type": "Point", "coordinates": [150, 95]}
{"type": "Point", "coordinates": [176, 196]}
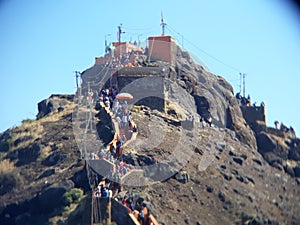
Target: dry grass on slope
{"type": "Point", "coordinates": [6, 166]}
{"type": "Point", "coordinates": [26, 134]}
{"type": "Point", "coordinates": [9, 177]}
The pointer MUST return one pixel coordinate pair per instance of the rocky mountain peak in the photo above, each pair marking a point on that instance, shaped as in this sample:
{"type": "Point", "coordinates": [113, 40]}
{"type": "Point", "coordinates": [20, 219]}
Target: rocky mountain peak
{"type": "Point", "coordinates": [205, 159]}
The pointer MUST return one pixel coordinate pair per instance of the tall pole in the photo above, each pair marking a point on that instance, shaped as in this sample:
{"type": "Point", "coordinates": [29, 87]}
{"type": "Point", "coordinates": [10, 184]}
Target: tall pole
{"type": "Point", "coordinates": [119, 38]}
{"type": "Point", "coordinates": [119, 33]}
{"type": "Point", "coordinates": [244, 85]}
{"type": "Point", "coordinates": [105, 36]}
{"type": "Point", "coordinates": [163, 24]}
{"type": "Point", "coordinates": [77, 74]}
{"type": "Point", "coordinates": [240, 83]}
{"type": "Point", "coordinates": [109, 210]}
{"type": "Point", "coordinates": [90, 91]}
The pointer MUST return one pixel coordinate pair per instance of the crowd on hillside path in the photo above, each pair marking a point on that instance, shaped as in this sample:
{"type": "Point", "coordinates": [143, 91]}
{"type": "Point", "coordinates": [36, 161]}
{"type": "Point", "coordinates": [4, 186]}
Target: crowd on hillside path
{"type": "Point", "coordinates": [120, 113]}
{"type": "Point", "coordinates": [114, 151]}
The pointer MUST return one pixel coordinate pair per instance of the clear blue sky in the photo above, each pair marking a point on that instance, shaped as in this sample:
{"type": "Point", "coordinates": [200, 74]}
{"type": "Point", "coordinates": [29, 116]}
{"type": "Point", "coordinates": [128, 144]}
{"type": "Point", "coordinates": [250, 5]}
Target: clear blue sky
{"type": "Point", "coordinates": [42, 42]}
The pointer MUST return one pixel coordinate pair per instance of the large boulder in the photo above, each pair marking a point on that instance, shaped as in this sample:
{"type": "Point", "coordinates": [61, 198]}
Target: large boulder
{"type": "Point", "coordinates": [294, 154]}
{"type": "Point", "coordinates": [54, 102]}
{"type": "Point", "coordinates": [265, 142]}
{"type": "Point", "coordinates": [138, 160]}
{"type": "Point", "coordinates": [182, 177]}
{"type": "Point", "coordinates": [54, 159]}
{"type": "Point", "coordinates": [272, 158]}
{"type": "Point", "coordinates": [236, 122]}
{"type": "Point", "coordinates": [297, 171]}
{"type": "Point", "coordinates": [270, 143]}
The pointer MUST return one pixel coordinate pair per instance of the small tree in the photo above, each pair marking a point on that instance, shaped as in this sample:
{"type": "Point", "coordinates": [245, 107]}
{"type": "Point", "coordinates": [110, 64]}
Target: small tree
{"type": "Point", "coordinates": [72, 196]}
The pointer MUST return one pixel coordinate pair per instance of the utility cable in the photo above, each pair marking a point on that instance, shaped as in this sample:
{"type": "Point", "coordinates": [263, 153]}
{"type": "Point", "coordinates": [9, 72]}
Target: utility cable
{"type": "Point", "coordinates": [206, 53]}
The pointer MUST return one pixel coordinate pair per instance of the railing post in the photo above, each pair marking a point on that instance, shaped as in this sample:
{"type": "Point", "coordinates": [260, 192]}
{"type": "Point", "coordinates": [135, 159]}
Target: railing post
{"type": "Point", "coordinates": [109, 209]}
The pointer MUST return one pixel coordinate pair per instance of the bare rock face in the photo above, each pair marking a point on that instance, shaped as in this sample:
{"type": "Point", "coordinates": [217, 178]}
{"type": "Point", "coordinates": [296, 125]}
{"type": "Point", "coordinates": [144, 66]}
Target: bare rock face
{"type": "Point", "coordinates": [212, 93]}
{"type": "Point", "coordinates": [54, 102]}
{"type": "Point", "coordinates": [294, 152]}
{"type": "Point", "coordinates": [221, 179]}
{"type": "Point", "coordinates": [266, 143]}
{"type": "Point", "coordinates": [280, 150]}
{"type": "Point", "coordinates": [213, 97]}
{"type": "Point", "coordinates": [236, 122]}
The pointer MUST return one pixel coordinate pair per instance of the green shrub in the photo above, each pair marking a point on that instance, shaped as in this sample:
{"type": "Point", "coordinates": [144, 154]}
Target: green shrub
{"type": "Point", "coordinates": [76, 193]}
{"type": "Point", "coordinates": [67, 199]}
{"type": "Point", "coordinates": [72, 196]}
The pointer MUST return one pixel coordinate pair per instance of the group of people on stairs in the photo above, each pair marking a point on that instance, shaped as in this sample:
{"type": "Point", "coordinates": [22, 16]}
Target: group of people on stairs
{"type": "Point", "coordinates": [120, 114]}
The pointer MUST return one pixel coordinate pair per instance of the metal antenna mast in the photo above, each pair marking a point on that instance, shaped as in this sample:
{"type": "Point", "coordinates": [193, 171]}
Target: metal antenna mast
{"type": "Point", "coordinates": [243, 80]}
{"type": "Point", "coordinates": [163, 24]}
{"type": "Point", "coordinates": [119, 33]}
{"type": "Point", "coordinates": [244, 85]}
{"type": "Point", "coordinates": [240, 83]}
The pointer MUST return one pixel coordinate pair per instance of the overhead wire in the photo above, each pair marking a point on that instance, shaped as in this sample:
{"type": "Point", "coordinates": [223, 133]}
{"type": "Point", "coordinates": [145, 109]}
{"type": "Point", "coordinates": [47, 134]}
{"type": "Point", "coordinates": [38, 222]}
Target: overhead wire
{"type": "Point", "coordinates": [205, 52]}
{"type": "Point", "coordinates": [175, 34]}
{"type": "Point", "coordinates": [233, 80]}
